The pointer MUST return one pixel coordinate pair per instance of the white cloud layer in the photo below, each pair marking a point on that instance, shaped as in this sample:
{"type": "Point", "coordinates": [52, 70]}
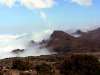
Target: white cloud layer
{"type": "Point", "coordinates": [83, 2]}
{"type": "Point", "coordinates": [38, 4]}
{"type": "Point", "coordinates": [23, 41]}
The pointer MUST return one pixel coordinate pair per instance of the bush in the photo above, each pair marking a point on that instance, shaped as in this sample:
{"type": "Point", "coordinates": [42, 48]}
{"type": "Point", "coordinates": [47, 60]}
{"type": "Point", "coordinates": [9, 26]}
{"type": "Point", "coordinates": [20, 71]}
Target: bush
{"type": "Point", "coordinates": [21, 65]}
{"type": "Point", "coordinates": [80, 65]}
{"type": "Point", "coordinates": [44, 69]}
{"type": "Point", "coordinates": [1, 73]}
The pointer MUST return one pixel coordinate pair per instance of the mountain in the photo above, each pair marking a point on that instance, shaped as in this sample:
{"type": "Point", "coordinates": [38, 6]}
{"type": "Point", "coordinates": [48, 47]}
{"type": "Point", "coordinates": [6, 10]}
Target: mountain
{"type": "Point", "coordinates": [77, 33]}
{"type": "Point", "coordinates": [61, 41]}
{"type": "Point", "coordinates": [93, 35]}
{"type": "Point", "coordinates": [91, 39]}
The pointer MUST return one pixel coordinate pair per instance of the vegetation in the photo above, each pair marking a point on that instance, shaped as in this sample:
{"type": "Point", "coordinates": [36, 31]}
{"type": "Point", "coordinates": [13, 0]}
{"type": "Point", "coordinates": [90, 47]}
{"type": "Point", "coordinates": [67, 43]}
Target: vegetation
{"type": "Point", "coordinates": [1, 73]}
{"type": "Point", "coordinates": [21, 65]}
{"type": "Point", "coordinates": [44, 69]}
{"type": "Point", "coordinates": [80, 65]}
{"type": "Point", "coordinates": [60, 65]}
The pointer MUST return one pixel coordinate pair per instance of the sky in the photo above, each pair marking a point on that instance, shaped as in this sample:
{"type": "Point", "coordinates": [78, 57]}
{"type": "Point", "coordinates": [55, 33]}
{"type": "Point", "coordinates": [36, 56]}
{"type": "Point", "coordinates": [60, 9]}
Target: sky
{"type": "Point", "coordinates": [25, 20]}
{"type": "Point", "coordinates": [25, 16]}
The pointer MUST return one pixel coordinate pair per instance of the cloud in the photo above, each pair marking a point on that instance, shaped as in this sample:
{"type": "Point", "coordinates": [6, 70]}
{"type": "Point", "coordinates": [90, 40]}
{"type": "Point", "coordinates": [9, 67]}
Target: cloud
{"type": "Point", "coordinates": [8, 3]}
{"type": "Point", "coordinates": [83, 2]}
{"type": "Point", "coordinates": [44, 35]}
{"type": "Point", "coordinates": [7, 37]}
{"type": "Point", "coordinates": [22, 41]}
{"type": "Point", "coordinates": [31, 4]}
{"type": "Point", "coordinates": [43, 15]}
{"type": "Point", "coordinates": [8, 42]}
{"type": "Point", "coordinates": [38, 4]}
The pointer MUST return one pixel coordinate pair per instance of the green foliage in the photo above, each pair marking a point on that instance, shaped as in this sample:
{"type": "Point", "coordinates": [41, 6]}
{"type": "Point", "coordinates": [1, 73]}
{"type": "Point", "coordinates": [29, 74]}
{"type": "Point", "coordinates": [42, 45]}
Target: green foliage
{"type": "Point", "coordinates": [21, 65]}
{"type": "Point", "coordinates": [80, 65]}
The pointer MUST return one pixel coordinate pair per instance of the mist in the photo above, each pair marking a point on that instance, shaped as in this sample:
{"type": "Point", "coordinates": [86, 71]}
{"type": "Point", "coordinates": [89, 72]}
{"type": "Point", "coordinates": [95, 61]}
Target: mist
{"type": "Point", "coordinates": [30, 42]}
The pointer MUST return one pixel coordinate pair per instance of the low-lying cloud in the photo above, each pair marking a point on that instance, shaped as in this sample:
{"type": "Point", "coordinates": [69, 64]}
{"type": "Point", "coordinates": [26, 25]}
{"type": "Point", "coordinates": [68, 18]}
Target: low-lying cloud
{"type": "Point", "coordinates": [23, 41]}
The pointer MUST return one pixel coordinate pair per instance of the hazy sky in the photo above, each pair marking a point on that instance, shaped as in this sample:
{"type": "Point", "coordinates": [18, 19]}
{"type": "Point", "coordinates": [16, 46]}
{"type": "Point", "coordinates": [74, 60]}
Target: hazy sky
{"type": "Point", "coordinates": [22, 16]}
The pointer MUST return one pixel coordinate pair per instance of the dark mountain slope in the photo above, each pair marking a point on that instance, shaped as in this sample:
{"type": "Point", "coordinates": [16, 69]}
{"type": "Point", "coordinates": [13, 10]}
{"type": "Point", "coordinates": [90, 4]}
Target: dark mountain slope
{"type": "Point", "coordinates": [61, 41]}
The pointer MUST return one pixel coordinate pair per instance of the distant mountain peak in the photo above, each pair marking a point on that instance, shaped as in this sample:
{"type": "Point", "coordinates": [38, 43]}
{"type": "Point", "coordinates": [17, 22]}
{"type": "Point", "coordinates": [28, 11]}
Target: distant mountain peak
{"type": "Point", "coordinates": [60, 34]}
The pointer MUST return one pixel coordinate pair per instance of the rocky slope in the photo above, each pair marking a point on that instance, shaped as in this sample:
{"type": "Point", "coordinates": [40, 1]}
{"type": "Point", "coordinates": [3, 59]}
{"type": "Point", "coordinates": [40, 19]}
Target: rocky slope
{"type": "Point", "coordinates": [61, 42]}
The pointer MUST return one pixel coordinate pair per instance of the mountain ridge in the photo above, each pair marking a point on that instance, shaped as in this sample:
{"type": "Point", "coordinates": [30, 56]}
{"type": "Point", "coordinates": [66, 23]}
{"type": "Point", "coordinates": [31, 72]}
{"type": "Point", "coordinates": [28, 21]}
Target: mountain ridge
{"type": "Point", "coordinates": [61, 41]}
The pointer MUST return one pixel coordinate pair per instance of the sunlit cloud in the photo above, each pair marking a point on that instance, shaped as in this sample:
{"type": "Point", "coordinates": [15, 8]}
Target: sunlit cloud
{"type": "Point", "coordinates": [83, 2]}
{"type": "Point", "coordinates": [31, 4]}
{"type": "Point", "coordinates": [8, 3]}
{"type": "Point", "coordinates": [41, 4]}
{"type": "Point", "coordinates": [38, 4]}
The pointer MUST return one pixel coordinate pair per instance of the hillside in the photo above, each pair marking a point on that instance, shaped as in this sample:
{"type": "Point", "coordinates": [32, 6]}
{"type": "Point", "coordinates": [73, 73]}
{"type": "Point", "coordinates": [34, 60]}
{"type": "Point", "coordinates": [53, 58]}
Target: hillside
{"type": "Point", "coordinates": [61, 41]}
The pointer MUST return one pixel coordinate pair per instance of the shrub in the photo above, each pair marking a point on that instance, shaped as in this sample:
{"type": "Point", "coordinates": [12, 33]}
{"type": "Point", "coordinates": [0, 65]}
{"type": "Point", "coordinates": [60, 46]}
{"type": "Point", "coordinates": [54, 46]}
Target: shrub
{"type": "Point", "coordinates": [21, 65]}
{"type": "Point", "coordinates": [80, 65]}
{"type": "Point", "coordinates": [1, 73]}
{"type": "Point", "coordinates": [44, 69]}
